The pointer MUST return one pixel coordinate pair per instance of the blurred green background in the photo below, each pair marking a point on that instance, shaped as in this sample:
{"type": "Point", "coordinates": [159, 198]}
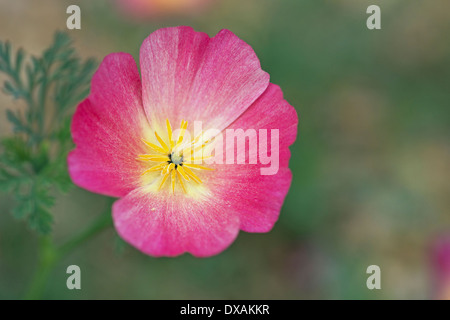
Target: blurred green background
{"type": "Point", "coordinates": [371, 162]}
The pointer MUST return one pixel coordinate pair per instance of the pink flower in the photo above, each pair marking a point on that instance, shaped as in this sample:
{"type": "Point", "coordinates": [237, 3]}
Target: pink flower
{"type": "Point", "coordinates": [126, 146]}
{"type": "Point", "coordinates": [441, 267]}
{"type": "Point", "coordinates": [154, 8]}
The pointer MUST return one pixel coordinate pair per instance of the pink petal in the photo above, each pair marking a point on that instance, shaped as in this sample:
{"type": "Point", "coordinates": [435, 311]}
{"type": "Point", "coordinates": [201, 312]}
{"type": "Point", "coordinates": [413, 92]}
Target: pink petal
{"type": "Point", "coordinates": [187, 75]}
{"type": "Point", "coordinates": [258, 197]}
{"type": "Point", "coordinates": [107, 128]}
{"type": "Point", "coordinates": [165, 225]}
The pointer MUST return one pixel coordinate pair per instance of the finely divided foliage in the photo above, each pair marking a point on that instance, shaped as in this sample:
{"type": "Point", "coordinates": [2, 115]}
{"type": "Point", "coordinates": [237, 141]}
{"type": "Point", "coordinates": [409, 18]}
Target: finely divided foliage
{"type": "Point", "coordinates": [33, 160]}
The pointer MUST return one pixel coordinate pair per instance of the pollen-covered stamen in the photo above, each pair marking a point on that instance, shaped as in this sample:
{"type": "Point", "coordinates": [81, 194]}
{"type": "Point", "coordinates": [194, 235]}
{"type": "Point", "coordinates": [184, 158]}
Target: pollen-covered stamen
{"type": "Point", "coordinates": [175, 157]}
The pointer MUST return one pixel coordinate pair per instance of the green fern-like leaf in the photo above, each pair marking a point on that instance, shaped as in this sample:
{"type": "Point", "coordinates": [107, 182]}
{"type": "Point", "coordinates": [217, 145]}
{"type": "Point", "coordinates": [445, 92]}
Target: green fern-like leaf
{"type": "Point", "coordinates": [33, 160]}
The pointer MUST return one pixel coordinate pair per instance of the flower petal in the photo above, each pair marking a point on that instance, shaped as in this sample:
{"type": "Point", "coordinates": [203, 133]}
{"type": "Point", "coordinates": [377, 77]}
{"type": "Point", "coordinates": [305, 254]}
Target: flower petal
{"type": "Point", "coordinates": [258, 197]}
{"type": "Point", "coordinates": [107, 128]}
{"type": "Point", "coordinates": [187, 75]}
{"type": "Point", "coordinates": [160, 224]}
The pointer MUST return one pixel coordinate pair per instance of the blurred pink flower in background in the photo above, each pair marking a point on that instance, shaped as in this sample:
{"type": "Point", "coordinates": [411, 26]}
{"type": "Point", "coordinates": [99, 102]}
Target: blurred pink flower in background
{"type": "Point", "coordinates": [125, 146]}
{"type": "Point", "coordinates": [154, 8]}
{"type": "Point", "coordinates": [441, 268]}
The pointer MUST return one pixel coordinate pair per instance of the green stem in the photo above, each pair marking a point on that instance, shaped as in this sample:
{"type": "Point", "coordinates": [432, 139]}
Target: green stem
{"type": "Point", "coordinates": [105, 220]}
{"type": "Point", "coordinates": [49, 254]}
{"type": "Point", "coordinates": [47, 259]}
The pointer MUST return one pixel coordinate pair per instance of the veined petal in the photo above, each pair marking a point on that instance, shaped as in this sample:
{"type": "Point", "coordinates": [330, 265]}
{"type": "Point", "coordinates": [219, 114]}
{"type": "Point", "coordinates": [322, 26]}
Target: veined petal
{"type": "Point", "coordinates": [259, 197]}
{"type": "Point", "coordinates": [187, 75]}
{"type": "Point", "coordinates": [107, 130]}
{"type": "Point", "coordinates": [203, 226]}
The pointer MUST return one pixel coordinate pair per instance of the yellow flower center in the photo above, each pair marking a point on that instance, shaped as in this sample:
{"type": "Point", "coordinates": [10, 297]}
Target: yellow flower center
{"type": "Point", "coordinates": [175, 158]}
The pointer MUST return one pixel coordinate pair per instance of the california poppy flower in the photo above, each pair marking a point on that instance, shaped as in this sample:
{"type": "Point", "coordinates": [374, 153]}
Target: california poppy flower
{"type": "Point", "coordinates": [132, 142]}
{"type": "Point", "coordinates": [440, 267]}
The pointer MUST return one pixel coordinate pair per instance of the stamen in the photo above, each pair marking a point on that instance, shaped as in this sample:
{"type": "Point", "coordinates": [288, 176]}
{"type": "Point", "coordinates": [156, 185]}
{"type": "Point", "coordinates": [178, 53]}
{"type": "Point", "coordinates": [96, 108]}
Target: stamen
{"type": "Point", "coordinates": [192, 175]}
{"type": "Point", "coordinates": [163, 180]}
{"type": "Point", "coordinates": [197, 166]}
{"type": "Point", "coordinates": [168, 168]}
{"type": "Point", "coordinates": [181, 181]}
{"type": "Point", "coordinates": [154, 147]}
{"type": "Point", "coordinates": [154, 168]}
{"type": "Point", "coordinates": [161, 142]}
{"type": "Point", "coordinates": [169, 131]}
{"type": "Point", "coordinates": [149, 157]}
{"type": "Point", "coordinates": [182, 173]}
{"type": "Point", "coordinates": [174, 175]}
{"type": "Point", "coordinates": [175, 157]}
{"type": "Point", "coordinates": [182, 131]}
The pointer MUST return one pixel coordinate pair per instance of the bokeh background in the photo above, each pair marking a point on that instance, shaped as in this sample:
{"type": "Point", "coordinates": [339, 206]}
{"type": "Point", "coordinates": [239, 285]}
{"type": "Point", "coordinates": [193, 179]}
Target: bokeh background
{"type": "Point", "coordinates": [371, 164]}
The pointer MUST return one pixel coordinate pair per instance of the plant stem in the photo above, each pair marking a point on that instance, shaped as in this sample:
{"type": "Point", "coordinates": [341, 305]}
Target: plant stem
{"type": "Point", "coordinates": [105, 220]}
{"type": "Point", "coordinates": [49, 254]}
{"type": "Point", "coordinates": [47, 259]}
